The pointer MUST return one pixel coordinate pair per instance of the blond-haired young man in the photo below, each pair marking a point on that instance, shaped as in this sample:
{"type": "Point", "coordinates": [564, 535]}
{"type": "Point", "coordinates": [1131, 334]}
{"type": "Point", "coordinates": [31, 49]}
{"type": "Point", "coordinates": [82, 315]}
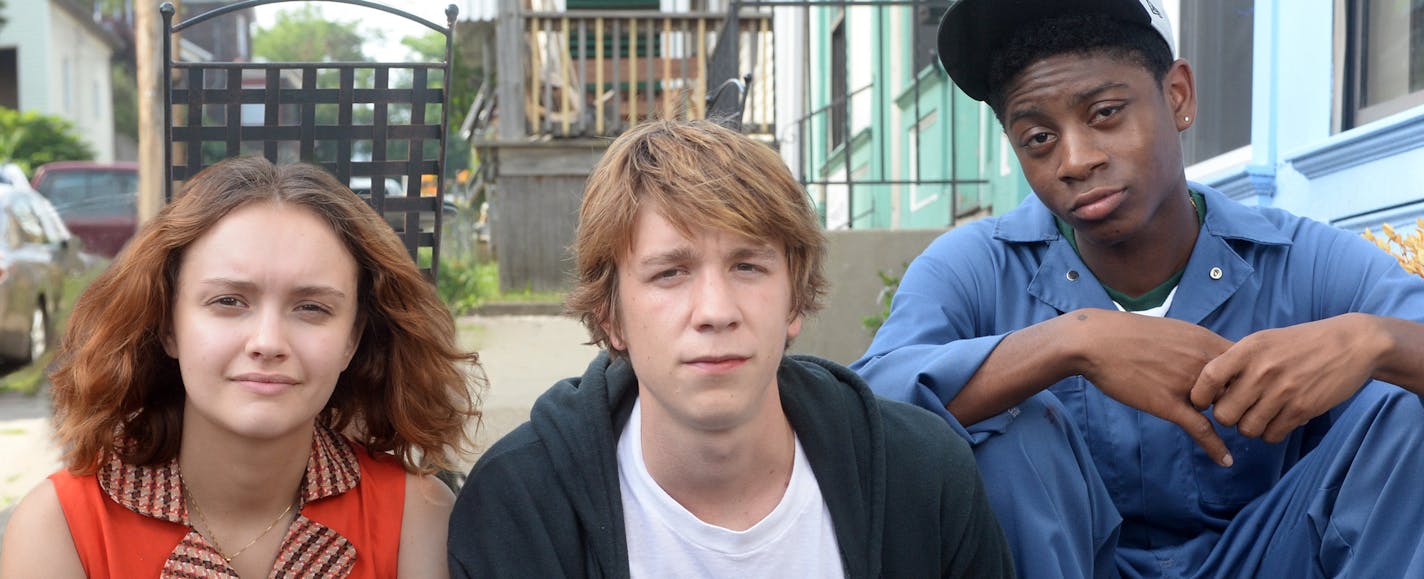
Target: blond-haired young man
{"type": "Point", "coordinates": [695, 447]}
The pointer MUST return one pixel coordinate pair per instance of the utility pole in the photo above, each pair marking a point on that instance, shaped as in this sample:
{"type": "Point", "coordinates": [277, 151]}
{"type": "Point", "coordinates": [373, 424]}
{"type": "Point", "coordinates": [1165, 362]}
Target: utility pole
{"type": "Point", "coordinates": [148, 55]}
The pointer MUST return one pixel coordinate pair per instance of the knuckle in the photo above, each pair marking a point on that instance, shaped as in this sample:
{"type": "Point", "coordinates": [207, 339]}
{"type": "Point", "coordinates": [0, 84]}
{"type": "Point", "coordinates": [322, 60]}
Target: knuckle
{"type": "Point", "coordinates": [1201, 429]}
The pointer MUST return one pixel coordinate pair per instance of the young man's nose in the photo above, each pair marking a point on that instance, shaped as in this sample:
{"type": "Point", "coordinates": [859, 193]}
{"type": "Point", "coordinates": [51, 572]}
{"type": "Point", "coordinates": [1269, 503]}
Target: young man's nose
{"type": "Point", "coordinates": [714, 305]}
{"type": "Point", "coordinates": [1079, 155]}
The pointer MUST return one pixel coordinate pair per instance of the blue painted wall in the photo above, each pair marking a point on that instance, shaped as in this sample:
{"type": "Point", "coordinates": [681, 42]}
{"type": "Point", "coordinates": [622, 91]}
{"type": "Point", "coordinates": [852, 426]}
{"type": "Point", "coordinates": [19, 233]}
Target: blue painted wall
{"type": "Point", "coordinates": [1357, 178]}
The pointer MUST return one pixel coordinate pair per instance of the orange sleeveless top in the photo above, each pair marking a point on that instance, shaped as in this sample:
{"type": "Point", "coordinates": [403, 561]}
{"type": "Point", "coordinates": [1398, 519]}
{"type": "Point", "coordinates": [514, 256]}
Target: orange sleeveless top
{"type": "Point", "coordinates": [132, 521]}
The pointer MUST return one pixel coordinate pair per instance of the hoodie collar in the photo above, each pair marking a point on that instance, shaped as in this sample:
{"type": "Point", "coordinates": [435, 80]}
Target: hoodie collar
{"type": "Point", "coordinates": [832, 411]}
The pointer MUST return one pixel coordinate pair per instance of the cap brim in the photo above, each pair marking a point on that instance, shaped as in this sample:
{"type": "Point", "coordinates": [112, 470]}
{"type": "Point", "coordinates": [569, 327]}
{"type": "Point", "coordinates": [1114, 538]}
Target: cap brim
{"type": "Point", "coordinates": [972, 31]}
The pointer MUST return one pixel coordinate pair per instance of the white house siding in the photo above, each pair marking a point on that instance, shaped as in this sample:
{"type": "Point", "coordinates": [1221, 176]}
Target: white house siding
{"type": "Point", "coordinates": [79, 81]}
{"type": "Point", "coordinates": [25, 32]}
{"type": "Point", "coordinates": [63, 69]}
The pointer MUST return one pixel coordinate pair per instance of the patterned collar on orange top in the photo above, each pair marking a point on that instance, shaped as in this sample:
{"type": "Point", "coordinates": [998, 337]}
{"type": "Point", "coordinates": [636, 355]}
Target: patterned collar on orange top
{"type": "Point", "coordinates": [156, 491]}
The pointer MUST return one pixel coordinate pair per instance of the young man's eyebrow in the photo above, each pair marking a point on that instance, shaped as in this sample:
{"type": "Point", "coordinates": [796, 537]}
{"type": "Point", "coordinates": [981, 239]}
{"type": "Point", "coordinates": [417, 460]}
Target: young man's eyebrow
{"type": "Point", "coordinates": [1077, 99]}
{"type": "Point", "coordinates": [758, 252]}
{"type": "Point", "coordinates": [1021, 114]}
{"type": "Point", "coordinates": [1095, 91]}
{"type": "Point", "coordinates": [681, 254]}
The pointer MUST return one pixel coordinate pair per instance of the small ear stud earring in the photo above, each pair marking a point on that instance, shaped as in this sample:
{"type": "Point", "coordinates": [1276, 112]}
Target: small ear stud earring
{"type": "Point", "coordinates": [1186, 119]}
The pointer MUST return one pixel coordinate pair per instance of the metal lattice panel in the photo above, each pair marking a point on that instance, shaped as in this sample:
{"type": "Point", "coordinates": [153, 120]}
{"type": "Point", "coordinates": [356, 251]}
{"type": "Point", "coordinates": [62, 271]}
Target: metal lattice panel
{"type": "Point", "coordinates": [379, 127]}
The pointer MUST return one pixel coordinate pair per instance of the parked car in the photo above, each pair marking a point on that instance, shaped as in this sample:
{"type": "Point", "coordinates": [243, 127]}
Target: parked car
{"type": "Point", "coordinates": [98, 201]}
{"type": "Point", "coordinates": [393, 188]}
{"type": "Point", "coordinates": [12, 174]}
{"type": "Point", "coordinates": [36, 252]}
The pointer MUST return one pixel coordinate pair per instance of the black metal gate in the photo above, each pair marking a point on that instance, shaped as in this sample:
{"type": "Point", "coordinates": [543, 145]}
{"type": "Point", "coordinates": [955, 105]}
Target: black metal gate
{"type": "Point", "coordinates": [216, 110]}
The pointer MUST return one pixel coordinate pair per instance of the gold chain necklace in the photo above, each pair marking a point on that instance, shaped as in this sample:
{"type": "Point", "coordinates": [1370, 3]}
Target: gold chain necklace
{"type": "Point", "coordinates": [213, 538]}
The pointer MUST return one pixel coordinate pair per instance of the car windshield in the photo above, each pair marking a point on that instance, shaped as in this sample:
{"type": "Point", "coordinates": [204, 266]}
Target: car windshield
{"type": "Point", "coordinates": [92, 193]}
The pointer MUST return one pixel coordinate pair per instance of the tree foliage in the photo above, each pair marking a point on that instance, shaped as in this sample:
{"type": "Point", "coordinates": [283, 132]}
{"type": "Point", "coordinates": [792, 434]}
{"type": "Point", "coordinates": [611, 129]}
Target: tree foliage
{"type": "Point", "coordinates": [468, 66]}
{"type": "Point", "coordinates": [2, 14]}
{"type": "Point", "coordinates": [305, 35]}
{"type": "Point", "coordinates": [468, 72]}
{"type": "Point", "coordinates": [30, 139]}
{"type": "Point", "coordinates": [125, 99]}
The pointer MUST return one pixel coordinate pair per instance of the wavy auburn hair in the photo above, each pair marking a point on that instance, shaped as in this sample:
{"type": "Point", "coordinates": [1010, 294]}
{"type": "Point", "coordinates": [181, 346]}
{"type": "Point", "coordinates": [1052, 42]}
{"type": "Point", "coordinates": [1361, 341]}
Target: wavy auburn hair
{"type": "Point", "coordinates": [116, 391]}
{"type": "Point", "coordinates": [695, 174]}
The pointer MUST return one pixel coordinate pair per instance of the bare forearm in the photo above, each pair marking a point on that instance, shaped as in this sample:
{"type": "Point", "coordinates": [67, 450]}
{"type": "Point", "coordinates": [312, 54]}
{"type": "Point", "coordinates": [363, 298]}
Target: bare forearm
{"type": "Point", "coordinates": [1401, 361]}
{"type": "Point", "coordinates": [1023, 364]}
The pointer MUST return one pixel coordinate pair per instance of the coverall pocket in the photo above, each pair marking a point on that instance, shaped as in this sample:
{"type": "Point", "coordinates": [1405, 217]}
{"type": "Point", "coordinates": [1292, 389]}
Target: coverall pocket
{"type": "Point", "coordinates": [1256, 467]}
{"type": "Point", "coordinates": [1072, 392]}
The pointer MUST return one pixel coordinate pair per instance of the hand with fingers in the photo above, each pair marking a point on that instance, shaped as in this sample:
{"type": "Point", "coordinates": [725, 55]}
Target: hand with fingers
{"type": "Point", "coordinates": [1152, 364]}
{"type": "Point", "coordinates": [1273, 381]}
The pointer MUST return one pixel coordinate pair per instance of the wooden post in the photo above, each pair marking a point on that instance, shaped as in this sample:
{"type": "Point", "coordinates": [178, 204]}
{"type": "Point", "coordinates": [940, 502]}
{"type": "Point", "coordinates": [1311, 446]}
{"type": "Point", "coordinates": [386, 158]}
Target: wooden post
{"type": "Point", "coordinates": [509, 36]}
{"type": "Point", "coordinates": [667, 67]}
{"type": "Point", "coordinates": [699, 91]}
{"type": "Point", "coordinates": [568, 80]}
{"type": "Point", "coordinates": [148, 54]}
{"type": "Point", "coordinates": [632, 72]}
{"type": "Point", "coordinates": [598, 76]}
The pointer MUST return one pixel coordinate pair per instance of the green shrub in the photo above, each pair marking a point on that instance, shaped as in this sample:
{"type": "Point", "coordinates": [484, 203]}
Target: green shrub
{"type": "Point", "coordinates": [888, 285]}
{"type": "Point", "coordinates": [465, 282]}
{"type": "Point", "coordinates": [30, 139]}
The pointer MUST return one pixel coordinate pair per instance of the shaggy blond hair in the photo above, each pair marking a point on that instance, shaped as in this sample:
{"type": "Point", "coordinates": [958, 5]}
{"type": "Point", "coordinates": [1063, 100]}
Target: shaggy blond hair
{"type": "Point", "coordinates": [695, 174]}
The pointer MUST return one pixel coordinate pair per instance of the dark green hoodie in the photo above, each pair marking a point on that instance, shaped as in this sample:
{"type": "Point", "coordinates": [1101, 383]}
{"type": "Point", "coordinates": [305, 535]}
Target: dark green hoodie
{"type": "Point", "coordinates": [904, 495]}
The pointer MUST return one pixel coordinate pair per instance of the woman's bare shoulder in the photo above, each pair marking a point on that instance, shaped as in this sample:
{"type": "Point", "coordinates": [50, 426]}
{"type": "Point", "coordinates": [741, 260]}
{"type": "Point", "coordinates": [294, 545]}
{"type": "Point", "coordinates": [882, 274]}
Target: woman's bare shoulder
{"type": "Point", "coordinates": [424, 526]}
{"type": "Point", "coordinates": [37, 540]}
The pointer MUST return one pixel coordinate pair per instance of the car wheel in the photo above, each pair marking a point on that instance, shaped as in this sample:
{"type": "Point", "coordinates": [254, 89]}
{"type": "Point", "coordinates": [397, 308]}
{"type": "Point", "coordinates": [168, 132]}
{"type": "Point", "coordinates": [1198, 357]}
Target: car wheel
{"type": "Point", "coordinates": [39, 333]}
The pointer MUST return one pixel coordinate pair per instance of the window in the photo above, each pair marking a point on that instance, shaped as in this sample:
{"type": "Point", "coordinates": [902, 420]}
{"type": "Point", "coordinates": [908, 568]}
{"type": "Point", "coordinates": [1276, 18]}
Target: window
{"type": "Point", "coordinates": [1384, 59]}
{"type": "Point", "coordinates": [839, 101]}
{"type": "Point", "coordinates": [921, 196]}
{"type": "Point", "coordinates": [927, 15]}
{"type": "Point", "coordinates": [1216, 39]}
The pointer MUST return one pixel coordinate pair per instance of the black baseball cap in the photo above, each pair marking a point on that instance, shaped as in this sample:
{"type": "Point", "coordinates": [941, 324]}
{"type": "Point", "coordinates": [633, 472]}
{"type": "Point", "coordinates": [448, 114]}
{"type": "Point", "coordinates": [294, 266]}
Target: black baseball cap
{"type": "Point", "coordinates": [972, 31]}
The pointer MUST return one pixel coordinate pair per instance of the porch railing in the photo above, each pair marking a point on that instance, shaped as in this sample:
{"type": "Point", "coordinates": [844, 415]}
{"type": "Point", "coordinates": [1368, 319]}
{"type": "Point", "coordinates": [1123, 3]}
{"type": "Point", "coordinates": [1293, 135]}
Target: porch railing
{"type": "Point", "coordinates": [596, 73]}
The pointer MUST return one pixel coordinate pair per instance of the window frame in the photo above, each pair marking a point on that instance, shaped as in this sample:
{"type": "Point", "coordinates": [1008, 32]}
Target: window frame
{"type": "Point", "coordinates": [1352, 70]}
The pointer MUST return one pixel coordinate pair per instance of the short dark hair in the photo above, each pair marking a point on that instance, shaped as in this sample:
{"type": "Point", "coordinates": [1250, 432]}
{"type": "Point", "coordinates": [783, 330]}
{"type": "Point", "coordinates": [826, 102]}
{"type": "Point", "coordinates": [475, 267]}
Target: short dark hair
{"type": "Point", "coordinates": [1077, 35]}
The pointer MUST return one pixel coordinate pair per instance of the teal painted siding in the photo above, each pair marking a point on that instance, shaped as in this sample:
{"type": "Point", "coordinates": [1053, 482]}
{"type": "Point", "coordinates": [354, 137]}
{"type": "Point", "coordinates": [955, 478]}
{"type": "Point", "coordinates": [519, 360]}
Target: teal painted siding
{"type": "Point", "coordinates": [899, 134]}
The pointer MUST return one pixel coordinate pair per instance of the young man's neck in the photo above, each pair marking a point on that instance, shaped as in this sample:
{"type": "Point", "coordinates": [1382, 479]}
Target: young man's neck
{"type": "Point", "coordinates": [731, 478]}
{"type": "Point", "coordinates": [1139, 265]}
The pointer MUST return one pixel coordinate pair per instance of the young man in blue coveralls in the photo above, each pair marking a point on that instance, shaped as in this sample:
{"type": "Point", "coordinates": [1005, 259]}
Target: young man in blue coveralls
{"type": "Point", "coordinates": [1157, 380]}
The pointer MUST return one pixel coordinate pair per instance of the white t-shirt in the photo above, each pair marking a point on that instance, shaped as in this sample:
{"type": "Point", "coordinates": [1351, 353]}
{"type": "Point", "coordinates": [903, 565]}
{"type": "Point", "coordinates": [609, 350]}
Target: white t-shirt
{"type": "Point", "coordinates": [666, 540]}
{"type": "Point", "coordinates": [1157, 312]}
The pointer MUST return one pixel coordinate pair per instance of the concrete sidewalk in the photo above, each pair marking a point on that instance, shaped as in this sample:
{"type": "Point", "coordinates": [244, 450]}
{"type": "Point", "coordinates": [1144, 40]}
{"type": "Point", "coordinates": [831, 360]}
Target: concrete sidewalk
{"type": "Point", "coordinates": [27, 451]}
{"type": "Point", "coordinates": [521, 355]}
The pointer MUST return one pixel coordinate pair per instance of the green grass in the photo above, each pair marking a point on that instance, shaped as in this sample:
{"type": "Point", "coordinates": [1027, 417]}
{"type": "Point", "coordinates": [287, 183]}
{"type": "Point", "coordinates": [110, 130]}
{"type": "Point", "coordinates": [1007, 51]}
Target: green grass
{"type": "Point", "coordinates": [28, 379]}
{"type": "Point", "coordinates": [467, 283]}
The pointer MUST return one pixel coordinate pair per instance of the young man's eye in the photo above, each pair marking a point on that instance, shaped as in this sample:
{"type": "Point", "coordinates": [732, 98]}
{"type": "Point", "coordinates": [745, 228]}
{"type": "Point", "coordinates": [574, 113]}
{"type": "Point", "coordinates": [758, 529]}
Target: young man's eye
{"type": "Point", "coordinates": [1037, 139]}
{"type": "Point", "coordinates": [1106, 112]}
{"type": "Point", "coordinates": [750, 267]}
